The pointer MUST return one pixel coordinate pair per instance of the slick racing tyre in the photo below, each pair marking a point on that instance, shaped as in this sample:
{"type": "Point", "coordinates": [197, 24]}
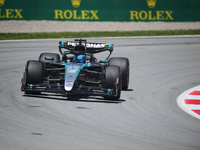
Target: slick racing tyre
{"type": "Point", "coordinates": [34, 74]}
{"type": "Point", "coordinates": [123, 63]}
{"type": "Point", "coordinates": [49, 57]}
{"type": "Point", "coordinates": [113, 78]}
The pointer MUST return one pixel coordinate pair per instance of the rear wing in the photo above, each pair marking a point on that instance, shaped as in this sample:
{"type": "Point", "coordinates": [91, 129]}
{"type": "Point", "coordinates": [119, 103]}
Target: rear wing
{"type": "Point", "coordinates": [90, 46]}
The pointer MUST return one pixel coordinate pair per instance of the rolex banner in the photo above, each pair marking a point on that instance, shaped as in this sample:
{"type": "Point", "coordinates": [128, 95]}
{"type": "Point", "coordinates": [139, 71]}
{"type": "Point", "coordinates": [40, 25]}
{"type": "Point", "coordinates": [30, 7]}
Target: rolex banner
{"type": "Point", "coordinates": [100, 10]}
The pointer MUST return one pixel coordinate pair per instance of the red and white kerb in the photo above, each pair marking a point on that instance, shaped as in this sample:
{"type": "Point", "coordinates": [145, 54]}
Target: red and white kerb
{"type": "Point", "coordinates": [189, 101]}
{"type": "Point", "coordinates": [192, 101]}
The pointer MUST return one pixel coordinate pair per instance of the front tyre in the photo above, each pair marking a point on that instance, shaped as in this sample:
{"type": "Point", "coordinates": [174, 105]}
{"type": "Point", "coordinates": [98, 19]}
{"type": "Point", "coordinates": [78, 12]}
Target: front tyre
{"type": "Point", "coordinates": [113, 81]}
{"type": "Point", "coordinates": [34, 74]}
{"type": "Point", "coordinates": [123, 63]}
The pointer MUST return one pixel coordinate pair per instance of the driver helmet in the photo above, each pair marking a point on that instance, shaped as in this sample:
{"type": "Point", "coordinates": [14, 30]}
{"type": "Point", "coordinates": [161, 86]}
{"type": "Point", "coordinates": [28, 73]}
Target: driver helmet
{"type": "Point", "coordinates": [80, 58]}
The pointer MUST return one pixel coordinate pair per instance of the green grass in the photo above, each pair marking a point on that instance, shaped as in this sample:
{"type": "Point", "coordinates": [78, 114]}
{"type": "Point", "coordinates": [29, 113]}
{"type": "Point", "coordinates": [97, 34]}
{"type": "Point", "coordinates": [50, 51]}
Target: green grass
{"type": "Point", "coordinates": [13, 36]}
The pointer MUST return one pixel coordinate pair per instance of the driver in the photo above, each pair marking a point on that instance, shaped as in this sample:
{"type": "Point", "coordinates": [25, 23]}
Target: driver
{"type": "Point", "coordinates": [80, 59]}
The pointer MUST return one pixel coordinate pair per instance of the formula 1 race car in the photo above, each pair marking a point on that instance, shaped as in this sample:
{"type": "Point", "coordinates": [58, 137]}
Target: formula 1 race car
{"type": "Point", "coordinates": [78, 72]}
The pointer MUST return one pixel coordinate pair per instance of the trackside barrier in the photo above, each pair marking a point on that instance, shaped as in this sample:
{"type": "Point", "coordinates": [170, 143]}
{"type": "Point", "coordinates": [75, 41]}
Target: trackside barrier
{"type": "Point", "coordinates": [101, 10]}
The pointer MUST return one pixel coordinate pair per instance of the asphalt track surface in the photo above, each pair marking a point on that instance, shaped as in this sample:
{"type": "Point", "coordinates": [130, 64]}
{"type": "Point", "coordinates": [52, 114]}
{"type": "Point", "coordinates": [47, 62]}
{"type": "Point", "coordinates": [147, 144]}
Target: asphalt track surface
{"type": "Point", "coordinates": [146, 117]}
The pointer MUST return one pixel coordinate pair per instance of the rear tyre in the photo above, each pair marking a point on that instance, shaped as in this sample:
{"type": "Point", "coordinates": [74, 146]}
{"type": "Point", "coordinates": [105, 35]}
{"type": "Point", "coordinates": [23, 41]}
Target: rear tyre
{"type": "Point", "coordinates": [34, 74]}
{"type": "Point", "coordinates": [49, 57]}
{"type": "Point", "coordinates": [113, 77]}
{"type": "Point", "coordinates": [123, 63]}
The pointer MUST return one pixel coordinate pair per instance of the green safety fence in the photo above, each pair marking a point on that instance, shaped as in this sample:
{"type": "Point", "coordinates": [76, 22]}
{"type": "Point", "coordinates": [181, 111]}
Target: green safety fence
{"type": "Point", "coordinates": [101, 10]}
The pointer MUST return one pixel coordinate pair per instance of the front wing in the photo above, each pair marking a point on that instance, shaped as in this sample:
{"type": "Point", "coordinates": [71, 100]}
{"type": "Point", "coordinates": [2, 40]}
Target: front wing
{"type": "Point", "coordinates": [77, 89]}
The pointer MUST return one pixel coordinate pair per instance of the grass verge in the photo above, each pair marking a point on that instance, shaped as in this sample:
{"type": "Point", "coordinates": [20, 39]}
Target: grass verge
{"type": "Point", "coordinates": [14, 36]}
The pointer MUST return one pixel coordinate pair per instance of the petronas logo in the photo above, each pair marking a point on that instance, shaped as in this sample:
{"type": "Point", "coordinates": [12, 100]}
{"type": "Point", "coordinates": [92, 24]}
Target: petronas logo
{"type": "Point", "coordinates": [76, 3]}
{"type": "Point", "coordinates": [151, 3]}
{"type": "Point", "coordinates": [2, 2]}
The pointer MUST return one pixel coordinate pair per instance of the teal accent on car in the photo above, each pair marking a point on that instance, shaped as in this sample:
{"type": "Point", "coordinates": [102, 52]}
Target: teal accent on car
{"type": "Point", "coordinates": [83, 66]}
{"type": "Point", "coordinates": [104, 60]}
{"type": "Point", "coordinates": [49, 58]}
{"type": "Point", "coordinates": [72, 71]}
{"type": "Point", "coordinates": [64, 64]}
{"type": "Point", "coordinates": [109, 90]}
{"type": "Point", "coordinates": [62, 43]}
{"type": "Point", "coordinates": [110, 46]}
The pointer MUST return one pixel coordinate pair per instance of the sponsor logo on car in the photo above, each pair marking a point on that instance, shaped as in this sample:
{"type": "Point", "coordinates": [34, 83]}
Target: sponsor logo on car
{"type": "Point", "coordinates": [94, 45]}
{"type": "Point", "coordinates": [73, 43]}
{"type": "Point", "coordinates": [68, 85]}
{"type": "Point", "coordinates": [88, 45]}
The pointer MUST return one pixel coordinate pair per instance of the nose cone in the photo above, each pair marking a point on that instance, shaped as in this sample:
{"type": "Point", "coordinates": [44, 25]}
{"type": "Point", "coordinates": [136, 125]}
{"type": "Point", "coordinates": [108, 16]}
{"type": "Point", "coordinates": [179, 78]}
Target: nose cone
{"type": "Point", "coordinates": [71, 74]}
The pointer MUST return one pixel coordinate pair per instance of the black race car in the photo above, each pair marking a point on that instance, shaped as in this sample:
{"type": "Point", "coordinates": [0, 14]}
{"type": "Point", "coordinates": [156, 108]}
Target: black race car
{"type": "Point", "coordinates": [78, 72]}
